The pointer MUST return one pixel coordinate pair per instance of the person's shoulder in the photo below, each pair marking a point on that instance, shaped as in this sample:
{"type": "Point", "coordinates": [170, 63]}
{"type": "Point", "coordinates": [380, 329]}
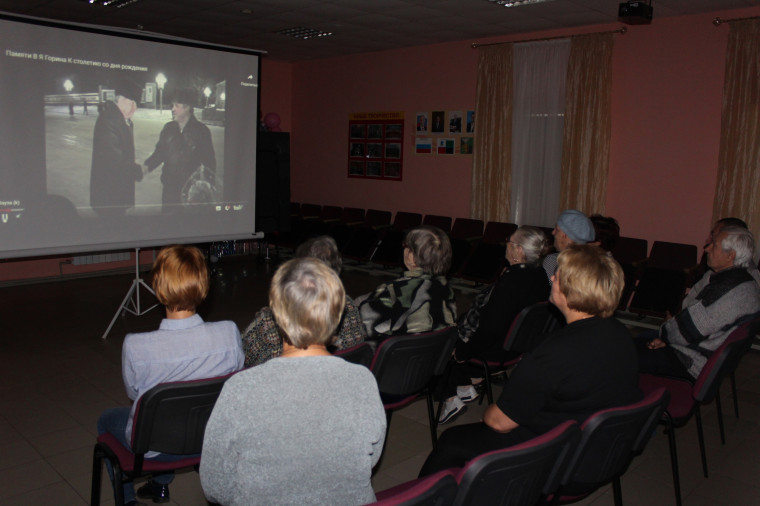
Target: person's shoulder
{"type": "Point", "coordinates": [225, 328]}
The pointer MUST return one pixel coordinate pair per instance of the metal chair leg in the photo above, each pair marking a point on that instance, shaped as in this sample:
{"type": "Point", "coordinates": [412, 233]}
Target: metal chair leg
{"type": "Point", "coordinates": [432, 420]}
{"type": "Point", "coordinates": [733, 393]}
{"type": "Point", "coordinates": [701, 435]}
{"type": "Point", "coordinates": [617, 492]}
{"type": "Point", "coordinates": [673, 456]}
{"type": "Point", "coordinates": [719, 410]}
{"type": "Point", "coordinates": [97, 475]}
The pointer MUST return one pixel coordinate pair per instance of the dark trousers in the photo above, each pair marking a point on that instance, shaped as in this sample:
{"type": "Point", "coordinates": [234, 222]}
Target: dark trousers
{"type": "Point", "coordinates": [660, 362]}
{"type": "Point", "coordinates": [462, 443]}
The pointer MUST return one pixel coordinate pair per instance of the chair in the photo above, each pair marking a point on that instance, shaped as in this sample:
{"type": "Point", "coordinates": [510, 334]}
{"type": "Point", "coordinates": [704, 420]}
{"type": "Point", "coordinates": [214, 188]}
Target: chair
{"type": "Point", "coordinates": [434, 220]}
{"type": "Point", "coordinates": [365, 238]}
{"type": "Point", "coordinates": [389, 251]}
{"type": "Point", "coordinates": [407, 366]}
{"type": "Point", "coordinates": [360, 354]}
{"type": "Point", "coordinates": [686, 399]}
{"type": "Point", "coordinates": [343, 228]}
{"type": "Point", "coordinates": [521, 474]}
{"type": "Point", "coordinates": [662, 283]}
{"type": "Point", "coordinates": [527, 331]}
{"type": "Point", "coordinates": [438, 489]}
{"type": "Point", "coordinates": [465, 234]}
{"type": "Point", "coordinates": [169, 418]}
{"type": "Point", "coordinates": [630, 253]}
{"type": "Point", "coordinates": [610, 439]}
{"type": "Point", "coordinates": [487, 260]}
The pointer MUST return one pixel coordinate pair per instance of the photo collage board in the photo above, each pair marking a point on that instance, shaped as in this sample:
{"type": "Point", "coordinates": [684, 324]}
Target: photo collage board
{"type": "Point", "coordinates": [444, 132]}
{"type": "Point", "coordinates": [376, 145]}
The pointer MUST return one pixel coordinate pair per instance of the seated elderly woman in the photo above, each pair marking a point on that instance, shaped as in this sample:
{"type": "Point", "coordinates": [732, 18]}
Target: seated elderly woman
{"type": "Point", "coordinates": [262, 341]}
{"type": "Point", "coordinates": [305, 427]}
{"type": "Point", "coordinates": [485, 325]}
{"type": "Point", "coordinates": [183, 348]}
{"type": "Point", "coordinates": [419, 301]}
{"type": "Point", "coordinates": [586, 366]}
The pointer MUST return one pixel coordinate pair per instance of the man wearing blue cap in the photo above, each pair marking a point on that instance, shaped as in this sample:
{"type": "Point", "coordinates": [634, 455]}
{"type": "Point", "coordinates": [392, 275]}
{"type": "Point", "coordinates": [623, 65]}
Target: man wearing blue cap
{"type": "Point", "coordinates": [573, 227]}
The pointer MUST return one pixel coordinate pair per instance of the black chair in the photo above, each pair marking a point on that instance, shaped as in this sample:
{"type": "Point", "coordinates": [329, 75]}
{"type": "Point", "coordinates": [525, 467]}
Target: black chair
{"type": "Point", "coordinates": [487, 260]}
{"type": "Point", "coordinates": [521, 474]}
{"type": "Point", "coordinates": [527, 331]}
{"type": "Point", "coordinates": [662, 284]}
{"type": "Point", "coordinates": [465, 235]}
{"type": "Point", "coordinates": [442, 222]}
{"type": "Point", "coordinates": [610, 439]}
{"type": "Point", "coordinates": [366, 237]}
{"type": "Point", "coordinates": [438, 489]}
{"type": "Point", "coordinates": [407, 367]}
{"type": "Point", "coordinates": [360, 354]}
{"type": "Point", "coordinates": [631, 254]}
{"type": "Point", "coordinates": [686, 399]}
{"type": "Point", "coordinates": [389, 252]}
{"type": "Point", "coordinates": [170, 418]}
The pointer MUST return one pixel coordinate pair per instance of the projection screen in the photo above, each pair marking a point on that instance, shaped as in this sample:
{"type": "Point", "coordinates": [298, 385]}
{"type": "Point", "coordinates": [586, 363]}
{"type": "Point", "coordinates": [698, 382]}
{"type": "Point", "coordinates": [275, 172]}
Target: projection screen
{"type": "Point", "coordinates": [112, 140]}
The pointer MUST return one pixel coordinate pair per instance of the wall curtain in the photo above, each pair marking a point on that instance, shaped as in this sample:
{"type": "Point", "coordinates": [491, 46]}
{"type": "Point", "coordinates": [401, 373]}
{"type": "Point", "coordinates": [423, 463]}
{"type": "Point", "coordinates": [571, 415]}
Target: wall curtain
{"type": "Point", "coordinates": [491, 170]}
{"type": "Point", "coordinates": [739, 157]}
{"type": "Point", "coordinates": [586, 151]}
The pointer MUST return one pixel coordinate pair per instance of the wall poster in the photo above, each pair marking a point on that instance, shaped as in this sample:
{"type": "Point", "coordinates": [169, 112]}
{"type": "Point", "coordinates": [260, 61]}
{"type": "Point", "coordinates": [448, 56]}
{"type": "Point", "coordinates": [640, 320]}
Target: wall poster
{"type": "Point", "coordinates": [376, 145]}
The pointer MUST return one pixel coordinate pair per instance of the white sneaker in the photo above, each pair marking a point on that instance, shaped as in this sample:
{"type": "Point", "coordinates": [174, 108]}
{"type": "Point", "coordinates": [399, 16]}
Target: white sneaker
{"type": "Point", "coordinates": [451, 409]}
{"type": "Point", "coordinates": [467, 393]}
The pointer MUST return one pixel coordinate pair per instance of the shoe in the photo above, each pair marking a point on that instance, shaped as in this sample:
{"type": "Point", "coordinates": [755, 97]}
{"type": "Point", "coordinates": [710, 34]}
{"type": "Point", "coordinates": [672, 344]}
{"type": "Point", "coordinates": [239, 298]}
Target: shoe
{"type": "Point", "coordinates": [467, 393]}
{"type": "Point", "coordinates": [154, 491]}
{"type": "Point", "coordinates": [452, 408]}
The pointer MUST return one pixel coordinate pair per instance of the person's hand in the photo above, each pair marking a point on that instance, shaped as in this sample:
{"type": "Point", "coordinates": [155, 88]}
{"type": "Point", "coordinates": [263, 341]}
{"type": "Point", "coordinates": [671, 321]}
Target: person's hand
{"type": "Point", "coordinates": [656, 344]}
{"type": "Point", "coordinates": [145, 169]}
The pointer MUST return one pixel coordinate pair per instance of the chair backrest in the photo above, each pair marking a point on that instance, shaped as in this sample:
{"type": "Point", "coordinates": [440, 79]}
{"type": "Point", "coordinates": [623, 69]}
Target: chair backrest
{"type": "Point", "coordinates": [466, 228]}
{"type": "Point", "coordinates": [520, 474]}
{"type": "Point", "coordinates": [377, 218]}
{"type": "Point", "coordinates": [438, 489]}
{"type": "Point", "coordinates": [360, 354]}
{"type": "Point", "coordinates": [442, 222]}
{"type": "Point", "coordinates": [330, 213]}
{"type": "Point", "coordinates": [498, 232]}
{"type": "Point", "coordinates": [628, 250]}
{"type": "Point", "coordinates": [404, 221]}
{"type": "Point", "coordinates": [310, 211]}
{"type": "Point", "coordinates": [725, 359]}
{"type": "Point", "coordinates": [352, 216]}
{"type": "Point", "coordinates": [609, 440]}
{"type": "Point", "coordinates": [531, 325]}
{"type": "Point", "coordinates": [404, 365]}
{"type": "Point", "coordinates": [172, 417]}
{"type": "Point", "coordinates": [672, 255]}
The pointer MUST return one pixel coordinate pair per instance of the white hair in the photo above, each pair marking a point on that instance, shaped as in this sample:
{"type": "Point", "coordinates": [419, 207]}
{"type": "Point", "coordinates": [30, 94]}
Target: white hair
{"type": "Point", "coordinates": [740, 241]}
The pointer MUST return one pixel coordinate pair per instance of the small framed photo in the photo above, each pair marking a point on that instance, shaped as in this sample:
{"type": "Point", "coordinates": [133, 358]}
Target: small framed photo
{"type": "Point", "coordinates": [439, 122]}
{"type": "Point", "coordinates": [445, 146]}
{"type": "Point", "coordinates": [455, 122]}
{"type": "Point", "coordinates": [355, 168]}
{"type": "Point", "coordinates": [374, 150]}
{"type": "Point", "coordinates": [422, 123]}
{"type": "Point", "coordinates": [393, 169]}
{"type": "Point", "coordinates": [375, 132]}
{"type": "Point", "coordinates": [357, 149]}
{"type": "Point", "coordinates": [466, 145]}
{"type": "Point", "coordinates": [357, 131]}
{"type": "Point", "coordinates": [393, 131]}
{"type": "Point", "coordinates": [375, 169]}
{"type": "Point", "coordinates": [423, 146]}
{"type": "Point", "coordinates": [470, 122]}
{"type": "Point", "coordinates": [393, 150]}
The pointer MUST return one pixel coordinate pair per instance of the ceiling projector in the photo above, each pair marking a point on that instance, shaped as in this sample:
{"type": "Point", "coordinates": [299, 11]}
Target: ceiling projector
{"type": "Point", "coordinates": [635, 13]}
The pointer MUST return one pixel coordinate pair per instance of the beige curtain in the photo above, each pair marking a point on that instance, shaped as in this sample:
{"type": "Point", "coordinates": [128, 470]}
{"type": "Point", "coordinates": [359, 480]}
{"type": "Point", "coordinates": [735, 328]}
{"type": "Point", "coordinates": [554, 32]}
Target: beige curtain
{"type": "Point", "coordinates": [586, 147]}
{"type": "Point", "coordinates": [737, 191]}
{"type": "Point", "coordinates": [493, 135]}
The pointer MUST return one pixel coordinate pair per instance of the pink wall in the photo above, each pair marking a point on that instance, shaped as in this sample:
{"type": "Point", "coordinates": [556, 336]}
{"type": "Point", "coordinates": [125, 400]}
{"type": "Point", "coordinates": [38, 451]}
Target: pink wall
{"type": "Point", "coordinates": [667, 93]}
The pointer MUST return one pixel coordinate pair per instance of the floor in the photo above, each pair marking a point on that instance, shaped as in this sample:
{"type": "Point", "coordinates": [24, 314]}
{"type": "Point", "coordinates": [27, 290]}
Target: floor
{"type": "Point", "coordinates": [57, 375]}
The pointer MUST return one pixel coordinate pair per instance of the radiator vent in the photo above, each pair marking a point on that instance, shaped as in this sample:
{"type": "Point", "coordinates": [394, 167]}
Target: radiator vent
{"type": "Point", "coordinates": [100, 258]}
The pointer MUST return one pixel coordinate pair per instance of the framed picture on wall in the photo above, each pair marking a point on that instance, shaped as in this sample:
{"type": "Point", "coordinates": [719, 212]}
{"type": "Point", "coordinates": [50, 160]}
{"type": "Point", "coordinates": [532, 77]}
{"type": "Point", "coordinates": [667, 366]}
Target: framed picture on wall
{"type": "Point", "coordinates": [466, 145]}
{"type": "Point", "coordinates": [422, 123]}
{"type": "Point", "coordinates": [438, 122]}
{"type": "Point", "coordinates": [376, 145]}
{"type": "Point", "coordinates": [470, 123]}
{"type": "Point", "coordinates": [423, 146]}
{"type": "Point", "coordinates": [445, 146]}
{"type": "Point", "coordinates": [455, 122]}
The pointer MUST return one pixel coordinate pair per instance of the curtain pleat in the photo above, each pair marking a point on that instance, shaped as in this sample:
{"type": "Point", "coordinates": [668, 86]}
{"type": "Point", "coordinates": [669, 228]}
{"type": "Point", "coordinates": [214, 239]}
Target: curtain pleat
{"type": "Point", "coordinates": [737, 188]}
{"type": "Point", "coordinates": [493, 135]}
{"type": "Point", "coordinates": [586, 148]}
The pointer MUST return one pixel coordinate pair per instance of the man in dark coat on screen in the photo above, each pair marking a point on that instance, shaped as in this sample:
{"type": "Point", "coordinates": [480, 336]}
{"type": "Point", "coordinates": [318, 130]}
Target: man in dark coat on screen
{"type": "Point", "coordinates": [184, 148]}
{"type": "Point", "coordinates": [114, 171]}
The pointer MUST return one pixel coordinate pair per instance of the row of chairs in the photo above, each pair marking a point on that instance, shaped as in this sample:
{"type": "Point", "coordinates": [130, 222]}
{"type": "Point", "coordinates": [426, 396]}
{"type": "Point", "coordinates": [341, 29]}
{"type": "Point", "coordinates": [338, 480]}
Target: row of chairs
{"type": "Point", "coordinates": [655, 281]}
{"type": "Point", "coordinates": [562, 466]}
{"type": "Point", "coordinates": [171, 418]}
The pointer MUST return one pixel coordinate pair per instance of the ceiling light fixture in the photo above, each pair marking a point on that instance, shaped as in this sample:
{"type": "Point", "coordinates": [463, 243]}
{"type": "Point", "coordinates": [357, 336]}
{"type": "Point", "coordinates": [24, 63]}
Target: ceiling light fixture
{"type": "Point", "coordinates": [111, 3]}
{"type": "Point", "coordinates": [299, 32]}
{"type": "Point", "coordinates": [516, 3]}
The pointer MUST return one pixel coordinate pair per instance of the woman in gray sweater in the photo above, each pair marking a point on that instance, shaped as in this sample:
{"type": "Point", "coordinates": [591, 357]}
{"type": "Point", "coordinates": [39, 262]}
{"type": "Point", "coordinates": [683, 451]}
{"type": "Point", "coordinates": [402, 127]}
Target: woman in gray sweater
{"type": "Point", "coordinates": [303, 428]}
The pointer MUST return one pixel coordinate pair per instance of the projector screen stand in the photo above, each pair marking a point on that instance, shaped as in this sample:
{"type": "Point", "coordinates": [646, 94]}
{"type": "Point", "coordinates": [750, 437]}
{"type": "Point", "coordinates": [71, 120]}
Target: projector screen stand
{"type": "Point", "coordinates": [131, 301]}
